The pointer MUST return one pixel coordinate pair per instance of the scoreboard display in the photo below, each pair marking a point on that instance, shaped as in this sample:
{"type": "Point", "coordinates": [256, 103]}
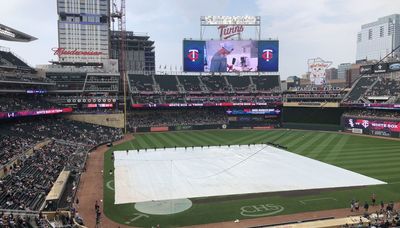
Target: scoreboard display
{"type": "Point", "coordinates": [231, 56]}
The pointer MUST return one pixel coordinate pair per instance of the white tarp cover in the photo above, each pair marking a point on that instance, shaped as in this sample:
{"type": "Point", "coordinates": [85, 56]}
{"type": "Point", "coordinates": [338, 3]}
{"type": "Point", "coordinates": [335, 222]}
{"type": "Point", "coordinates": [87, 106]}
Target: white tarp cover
{"type": "Point", "coordinates": [171, 173]}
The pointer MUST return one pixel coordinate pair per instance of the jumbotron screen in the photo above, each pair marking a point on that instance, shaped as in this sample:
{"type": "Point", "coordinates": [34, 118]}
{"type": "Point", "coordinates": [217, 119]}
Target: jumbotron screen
{"type": "Point", "coordinates": [231, 56]}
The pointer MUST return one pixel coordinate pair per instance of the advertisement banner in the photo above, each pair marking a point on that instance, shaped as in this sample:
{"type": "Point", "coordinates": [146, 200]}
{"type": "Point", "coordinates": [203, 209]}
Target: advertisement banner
{"type": "Point", "coordinates": [159, 129]}
{"type": "Point", "coordinates": [6, 115]}
{"type": "Point", "coordinates": [249, 111]}
{"type": "Point", "coordinates": [380, 68]}
{"type": "Point", "coordinates": [394, 66]}
{"type": "Point", "coordinates": [193, 55]}
{"type": "Point", "coordinates": [230, 56]}
{"type": "Point", "coordinates": [317, 68]}
{"type": "Point", "coordinates": [222, 104]}
{"type": "Point", "coordinates": [268, 56]}
{"type": "Point", "coordinates": [367, 69]}
{"type": "Point", "coordinates": [357, 130]}
{"type": "Point", "coordinates": [371, 124]}
{"type": "Point", "coordinates": [183, 127]}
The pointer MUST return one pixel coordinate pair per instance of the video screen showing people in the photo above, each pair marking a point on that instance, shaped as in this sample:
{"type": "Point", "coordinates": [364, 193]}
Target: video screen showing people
{"type": "Point", "coordinates": [230, 56]}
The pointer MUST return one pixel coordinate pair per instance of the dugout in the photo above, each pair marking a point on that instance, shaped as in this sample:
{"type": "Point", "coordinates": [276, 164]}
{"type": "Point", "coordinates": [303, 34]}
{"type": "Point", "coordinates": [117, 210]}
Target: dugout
{"type": "Point", "coordinates": [54, 197]}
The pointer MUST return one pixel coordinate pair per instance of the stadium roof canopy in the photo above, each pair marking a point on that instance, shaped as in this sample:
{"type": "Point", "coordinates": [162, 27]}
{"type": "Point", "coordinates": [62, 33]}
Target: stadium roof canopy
{"type": "Point", "coordinates": [10, 34]}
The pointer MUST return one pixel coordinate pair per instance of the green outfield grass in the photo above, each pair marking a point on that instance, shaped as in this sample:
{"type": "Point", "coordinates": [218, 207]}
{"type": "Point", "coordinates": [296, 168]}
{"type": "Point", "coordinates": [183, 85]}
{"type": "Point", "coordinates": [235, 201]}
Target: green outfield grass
{"type": "Point", "coordinates": [377, 158]}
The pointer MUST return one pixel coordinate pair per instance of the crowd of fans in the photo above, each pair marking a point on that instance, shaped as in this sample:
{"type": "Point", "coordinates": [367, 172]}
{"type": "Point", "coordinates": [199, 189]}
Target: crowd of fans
{"type": "Point", "coordinates": [319, 96]}
{"type": "Point", "coordinates": [17, 221]}
{"type": "Point", "coordinates": [21, 103]}
{"type": "Point", "coordinates": [13, 146]}
{"type": "Point", "coordinates": [371, 113]}
{"type": "Point", "coordinates": [379, 214]}
{"type": "Point", "coordinates": [374, 89]}
{"type": "Point", "coordinates": [202, 84]}
{"type": "Point", "coordinates": [359, 89]}
{"type": "Point", "coordinates": [31, 177]}
{"type": "Point", "coordinates": [385, 87]}
{"type": "Point", "coordinates": [177, 118]}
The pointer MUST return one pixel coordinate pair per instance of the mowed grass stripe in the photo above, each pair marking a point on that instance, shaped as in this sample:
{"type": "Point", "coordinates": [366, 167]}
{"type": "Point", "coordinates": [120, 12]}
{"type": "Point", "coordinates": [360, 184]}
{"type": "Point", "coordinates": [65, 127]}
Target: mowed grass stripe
{"type": "Point", "coordinates": [142, 143]}
{"type": "Point", "coordinates": [299, 141]}
{"type": "Point", "coordinates": [259, 138]}
{"type": "Point", "coordinates": [369, 156]}
{"type": "Point", "coordinates": [303, 147]}
{"type": "Point", "coordinates": [381, 160]}
{"type": "Point", "coordinates": [152, 140]}
{"type": "Point", "coordinates": [337, 149]}
{"type": "Point", "coordinates": [191, 139]}
{"type": "Point", "coordinates": [319, 140]}
{"type": "Point", "coordinates": [320, 152]}
{"type": "Point", "coordinates": [174, 137]}
{"type": "Point", "coordinates": [208, 139]}
{"type": "Point", "coordinates": [373, 173]}
{"type": "Point", "coordinates": [164, 140]}
{"type": "Point", "coordinates": [277, 135]}
{"type": "Point", "coordinates": [289, 137]}
{"type": "Point", "coordinates": [246, 138]}
{"type": "Point", "coordinates": [349, 151]}
{"type": "Point", "coordinates": [218, 138]}
{"type": "Point", "coordinates": [387, 165]}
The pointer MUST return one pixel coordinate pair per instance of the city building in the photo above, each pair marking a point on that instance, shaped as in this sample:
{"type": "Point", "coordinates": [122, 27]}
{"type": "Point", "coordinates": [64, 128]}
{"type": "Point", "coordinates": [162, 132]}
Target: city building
{"type": "Point", "coordinates": [83, 31]}
{"type": "Point", "coordinates": [331, 74]}
{"type": "Point", "coordinates": [140, 55]}
{"type": "Point", "coordinates": [292, 82]}
{"type": "Point", "coordinates": [342, 70]}
{"type": "Point", "coordinates": [353, 73]}
{"type": "Point", "coordinates": [378, 39]}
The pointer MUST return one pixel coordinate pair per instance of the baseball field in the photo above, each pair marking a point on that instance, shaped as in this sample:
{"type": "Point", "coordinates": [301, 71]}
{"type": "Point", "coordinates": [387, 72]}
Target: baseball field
{"type": "Point", "coordinates": [373, 157]}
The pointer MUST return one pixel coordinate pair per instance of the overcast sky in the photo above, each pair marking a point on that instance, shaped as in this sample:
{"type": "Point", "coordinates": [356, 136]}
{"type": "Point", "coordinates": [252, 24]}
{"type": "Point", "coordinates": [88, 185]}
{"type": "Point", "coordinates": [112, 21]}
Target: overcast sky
{"type": "Point", "coordinates": [306, 28]}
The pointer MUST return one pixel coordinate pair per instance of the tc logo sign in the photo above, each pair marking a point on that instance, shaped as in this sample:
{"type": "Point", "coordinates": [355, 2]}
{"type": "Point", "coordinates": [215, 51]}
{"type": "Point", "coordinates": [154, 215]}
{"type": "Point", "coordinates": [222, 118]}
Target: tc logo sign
{"type": "Point", "coordinates": [260, 210]}
{"type": "Point", "coordinates": [193, 55]}
{"type": "Point", "coordinates": [267, 54]}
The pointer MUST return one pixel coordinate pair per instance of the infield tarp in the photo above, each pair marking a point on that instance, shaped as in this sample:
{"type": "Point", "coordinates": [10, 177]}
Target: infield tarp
{"type": "Point", "coordinates": [164, 174]}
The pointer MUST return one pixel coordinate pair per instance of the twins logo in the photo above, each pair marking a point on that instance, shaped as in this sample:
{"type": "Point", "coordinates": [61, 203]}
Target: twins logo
{"type": "Point", "coordinates": [267, 54]}
{"type": "Point", "coordinates": [193, 55]}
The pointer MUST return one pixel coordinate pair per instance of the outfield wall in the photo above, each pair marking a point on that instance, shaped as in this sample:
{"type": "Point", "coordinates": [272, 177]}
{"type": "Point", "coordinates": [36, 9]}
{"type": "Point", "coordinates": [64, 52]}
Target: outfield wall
{"type": "Point", "coordinates": [371, 126]}
{"type": "Point", "coordinates": [323, 115]}
{"type": "Point", "coordinates": [204, 127]}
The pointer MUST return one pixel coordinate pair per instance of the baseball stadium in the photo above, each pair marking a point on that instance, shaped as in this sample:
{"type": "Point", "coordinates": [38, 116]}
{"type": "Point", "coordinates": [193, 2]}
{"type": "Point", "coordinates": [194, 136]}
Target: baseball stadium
{"type": "Point", "coordinates": [101, 137]}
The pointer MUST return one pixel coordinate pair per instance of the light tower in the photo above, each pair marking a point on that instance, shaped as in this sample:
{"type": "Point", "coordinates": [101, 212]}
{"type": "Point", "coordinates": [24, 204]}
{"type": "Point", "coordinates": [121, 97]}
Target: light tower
{"type": "Point", "coordinates": [120, 16]}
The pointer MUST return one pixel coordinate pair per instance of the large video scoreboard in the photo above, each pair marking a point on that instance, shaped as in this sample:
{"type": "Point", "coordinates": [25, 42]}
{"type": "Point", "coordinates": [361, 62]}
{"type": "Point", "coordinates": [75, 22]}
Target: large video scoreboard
{"type": "Point", "coordinates": [231, 56]}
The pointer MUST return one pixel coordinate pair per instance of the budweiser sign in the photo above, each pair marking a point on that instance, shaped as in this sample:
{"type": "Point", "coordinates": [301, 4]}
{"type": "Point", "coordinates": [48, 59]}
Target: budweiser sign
{"type": "Point", "coordinates": [226, 31]}
{"type": "Point", "coordinates": [63, 51]}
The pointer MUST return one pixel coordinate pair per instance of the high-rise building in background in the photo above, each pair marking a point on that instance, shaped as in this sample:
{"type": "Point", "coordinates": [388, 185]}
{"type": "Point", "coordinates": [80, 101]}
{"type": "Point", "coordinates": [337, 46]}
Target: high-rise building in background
{"type": "Point", "coordinates": [140, 55]}
{"type": "Point", "coordinates": [83, 31]}
{"type": "Point", "coordinates": [331, 74]}
{"type": "Point", "coordinates": [379, 38]}
{"type": "Point", "coordinates": [342, 70]}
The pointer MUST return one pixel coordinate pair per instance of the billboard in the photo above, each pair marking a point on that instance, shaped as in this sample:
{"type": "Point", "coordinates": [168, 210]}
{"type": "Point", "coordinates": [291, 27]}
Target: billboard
{"type": "Point", "coordinates": [367, 69]}
{"type": "Point", "coordinates": [380, 68]}
{"type": "Point", "coordinates": [394, 66]}
{"type": "Point", "coordinates": [317, 68]}
{"type": "Point", "coordinates": [230, 56]}
{"type": "Point", "coordinates": [7, 115]}
{"type": "Point", "coordinates": [372, 124]}
{"type": "Point", "coordinates": [254, 111]}
{"type": "Point", "coordinates": [268, 56]}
